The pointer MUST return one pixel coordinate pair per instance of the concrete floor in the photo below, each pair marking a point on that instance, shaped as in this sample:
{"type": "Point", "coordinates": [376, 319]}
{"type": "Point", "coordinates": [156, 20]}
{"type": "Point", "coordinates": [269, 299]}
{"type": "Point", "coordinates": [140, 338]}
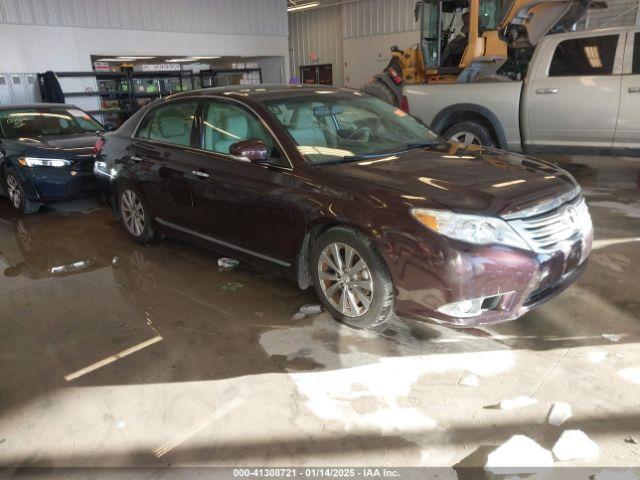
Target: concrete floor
{"type": "Point", "coordinates": [132, 356]}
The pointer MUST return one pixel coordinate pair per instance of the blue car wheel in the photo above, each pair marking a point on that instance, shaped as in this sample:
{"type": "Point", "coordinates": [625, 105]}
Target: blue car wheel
{"type": "Point", "coordinates": [17, 196]}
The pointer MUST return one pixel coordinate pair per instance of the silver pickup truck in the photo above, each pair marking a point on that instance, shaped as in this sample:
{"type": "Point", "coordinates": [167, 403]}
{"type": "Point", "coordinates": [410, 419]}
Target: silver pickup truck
{"type": "Point", "coordinates": [581, 94]}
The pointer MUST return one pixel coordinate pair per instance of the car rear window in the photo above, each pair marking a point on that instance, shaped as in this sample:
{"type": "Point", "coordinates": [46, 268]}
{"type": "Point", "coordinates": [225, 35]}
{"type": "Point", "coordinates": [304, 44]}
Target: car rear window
{"type": "Point", "coordinates": [42, 122]}
{"type": "Point", "coordinates": [584, 56]}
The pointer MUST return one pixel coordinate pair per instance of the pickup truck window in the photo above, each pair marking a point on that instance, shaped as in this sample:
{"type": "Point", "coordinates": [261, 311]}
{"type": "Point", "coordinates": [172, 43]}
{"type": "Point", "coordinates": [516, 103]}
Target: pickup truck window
{"type": "Point", "coordinates": [636, 54]}
{"type": "Point", "coordinates": [584, 56]}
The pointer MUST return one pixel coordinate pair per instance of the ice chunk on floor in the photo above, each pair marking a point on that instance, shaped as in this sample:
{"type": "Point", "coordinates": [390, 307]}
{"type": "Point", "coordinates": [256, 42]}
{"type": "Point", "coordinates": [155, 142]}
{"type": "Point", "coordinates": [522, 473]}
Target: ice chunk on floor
{"type": "Point", "coordinates": [631, 374]}
{"type": "Point", "coordinates": [575, 445]}
{"type": "Point", "coordinates": [470, 381]}
{"type": "Point", "coordinates": [518, 402]}
{"type": "Point", "coordinates": [611, 337]}
{"type": "Point", "coordinates": [519, 454]}
{"type": "Point", "coordinates": [560, 412]}
{"type": "Point", "coordinates": [311, 309]}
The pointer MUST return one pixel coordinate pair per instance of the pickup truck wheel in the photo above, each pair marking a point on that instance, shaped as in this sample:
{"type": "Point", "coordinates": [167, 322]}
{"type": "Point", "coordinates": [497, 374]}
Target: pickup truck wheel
{"type": "Point", "coordinates": [470, 133]}
{"type": "Point", "coordinates": [379, 90]}
{"type": "Point", "coordinates": [351, 278]}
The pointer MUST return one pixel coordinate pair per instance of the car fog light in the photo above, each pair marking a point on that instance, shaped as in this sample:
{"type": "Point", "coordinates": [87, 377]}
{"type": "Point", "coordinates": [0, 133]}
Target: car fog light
{"type": "Point", "coordinates": [472, 307]}
{"type": "Point", "coordinates": [463, 308]}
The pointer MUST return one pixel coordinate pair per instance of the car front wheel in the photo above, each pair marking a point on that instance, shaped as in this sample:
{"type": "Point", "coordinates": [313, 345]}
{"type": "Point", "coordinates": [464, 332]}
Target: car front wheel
{"type": "Point", "coordinates": [351, 278]}
{"type": "Point", "coordinates": [135, 215]}
{"type": "Point", "coordinates": [17, 195]}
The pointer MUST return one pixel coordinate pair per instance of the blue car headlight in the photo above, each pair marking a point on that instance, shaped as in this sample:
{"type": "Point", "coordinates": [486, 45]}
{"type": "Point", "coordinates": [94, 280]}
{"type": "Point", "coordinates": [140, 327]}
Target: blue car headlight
{"type": "Point", "coordinates": [43, 162]}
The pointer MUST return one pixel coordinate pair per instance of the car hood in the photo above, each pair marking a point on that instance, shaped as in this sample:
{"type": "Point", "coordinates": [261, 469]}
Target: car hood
{"type": "Point", "coordinates": [78, 145]}
{"type": "Point", "coordinates": [464, 179]}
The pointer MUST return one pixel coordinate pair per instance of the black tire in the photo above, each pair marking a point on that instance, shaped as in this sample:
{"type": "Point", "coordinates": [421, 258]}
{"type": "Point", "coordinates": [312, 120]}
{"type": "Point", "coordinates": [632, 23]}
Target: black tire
{"type": "Point", "coordinates": [380, 90]}
{"type": "Point", "coordinates": [481, 132]}
{"type": "Point", "coordinates": [142, 235]}
{"type": "Point", "coordinates": [21, 203]}
{"type": "Point", "coordinates": [381, 308]}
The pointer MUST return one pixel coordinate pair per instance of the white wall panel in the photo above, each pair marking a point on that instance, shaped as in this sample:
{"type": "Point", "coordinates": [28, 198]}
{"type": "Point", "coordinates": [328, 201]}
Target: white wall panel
{"type": "Point", "coordinates": [365, 18]}
{"type": "Point", "coordinates": [317, 31]}
{"type": "Point", "coordinates": [623, 9]}
{"type": "Point", "coordinates": [249, 17]}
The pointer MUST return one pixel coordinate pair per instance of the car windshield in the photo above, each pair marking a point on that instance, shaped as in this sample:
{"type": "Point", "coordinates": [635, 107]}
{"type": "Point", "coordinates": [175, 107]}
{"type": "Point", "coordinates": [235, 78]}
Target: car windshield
{"type": "Point", "coordinates": [41, 122]}
{"type": "Point", "coordinates": [342, 127]}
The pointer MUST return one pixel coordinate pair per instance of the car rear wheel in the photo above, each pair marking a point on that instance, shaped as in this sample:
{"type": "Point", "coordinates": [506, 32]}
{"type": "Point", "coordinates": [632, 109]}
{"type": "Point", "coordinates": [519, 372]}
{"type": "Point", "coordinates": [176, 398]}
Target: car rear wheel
{"type": "Point", "coordinates": [17, 196]}
{"type": "Point", "coordinates": [135, 215]}
{"type": "Point", "coordinates": [351, 278]}
{"type": "Point", "coordinates": [470, 133]}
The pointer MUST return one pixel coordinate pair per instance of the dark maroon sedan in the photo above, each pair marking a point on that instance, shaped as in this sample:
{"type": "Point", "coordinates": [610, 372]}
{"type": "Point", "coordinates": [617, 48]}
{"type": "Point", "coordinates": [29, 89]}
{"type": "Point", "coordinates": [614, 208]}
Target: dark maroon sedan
{"type": "Point", "coordinates": [342, 191]}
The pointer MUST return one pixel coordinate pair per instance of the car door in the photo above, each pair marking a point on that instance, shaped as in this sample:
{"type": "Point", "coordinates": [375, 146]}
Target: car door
{"type": "Point", "coordinates": [243, 205]}
{"type": "Point", "coordinates": [573, 94]}
{"type": "Point", "coordinates": [628, 126]}
{"type": "Point", "coordinates": [160, 155]}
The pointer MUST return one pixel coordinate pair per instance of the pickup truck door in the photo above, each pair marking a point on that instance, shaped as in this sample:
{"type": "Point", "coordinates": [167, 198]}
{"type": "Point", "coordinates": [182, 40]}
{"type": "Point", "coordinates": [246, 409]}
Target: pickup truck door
{"type": "Point", "coordinates": [572, 94]}
{"type": "Point", "coordinates": [628, 127]}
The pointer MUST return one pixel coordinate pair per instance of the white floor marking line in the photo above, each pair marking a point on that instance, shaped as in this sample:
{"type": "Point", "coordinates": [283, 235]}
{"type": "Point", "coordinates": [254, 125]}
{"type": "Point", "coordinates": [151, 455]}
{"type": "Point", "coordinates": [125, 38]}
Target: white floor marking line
{"type": "Point", "coordinates": [198, 427]}
{"type": "Point", "coordinates": [598, 244]}
{"type": "Point", "coordinates": [112, 358]}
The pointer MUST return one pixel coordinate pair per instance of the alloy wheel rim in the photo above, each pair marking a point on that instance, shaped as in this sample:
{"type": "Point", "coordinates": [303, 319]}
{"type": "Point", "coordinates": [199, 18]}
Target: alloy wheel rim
{"type": "Point", "coordinates": [132, 212]}
{"type": "Point", "coordinates": [13, 190]}
{"type": "Point", "coordinates": [345, 279]}
{"type": "Point", "coordinates": [467, 138]}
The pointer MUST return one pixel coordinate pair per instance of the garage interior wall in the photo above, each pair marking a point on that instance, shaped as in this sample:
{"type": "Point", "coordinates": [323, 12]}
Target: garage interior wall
{"type": "Point", "coordinates": [39, 35]}
{"type": "Point", "coordinates": [353, 36]}
{"type": "Point", "coordinates": [619, 13]}
{"type": "Point", "coordinates": [317, 32]}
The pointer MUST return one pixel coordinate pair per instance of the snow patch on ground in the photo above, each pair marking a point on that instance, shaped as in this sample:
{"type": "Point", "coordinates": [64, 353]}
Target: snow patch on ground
{"type": "Point", "coordinates": [596, 356]}
{"type": "Point", "coordinates": [519, 454]}
{"type": "Point", "coordinates": [470, 381]}
{"type": "Point", "coordinates": [631, 374]}
{"type": "Point", "coordinates": [575, 445]}
{"type": "Point", "coordinates": [361, 389]}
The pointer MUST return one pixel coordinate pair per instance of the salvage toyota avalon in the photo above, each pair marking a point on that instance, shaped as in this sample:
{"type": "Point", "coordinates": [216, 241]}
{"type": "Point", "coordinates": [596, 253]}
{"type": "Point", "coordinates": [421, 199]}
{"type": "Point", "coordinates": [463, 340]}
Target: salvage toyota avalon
{"type": "Point", "coordinates": [339, 190]}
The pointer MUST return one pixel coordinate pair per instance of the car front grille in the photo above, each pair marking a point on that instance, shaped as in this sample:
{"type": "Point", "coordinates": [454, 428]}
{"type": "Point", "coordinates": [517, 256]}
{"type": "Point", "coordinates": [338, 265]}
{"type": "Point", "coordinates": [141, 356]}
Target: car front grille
{"type": "Point", "coordinates": [544, 232]}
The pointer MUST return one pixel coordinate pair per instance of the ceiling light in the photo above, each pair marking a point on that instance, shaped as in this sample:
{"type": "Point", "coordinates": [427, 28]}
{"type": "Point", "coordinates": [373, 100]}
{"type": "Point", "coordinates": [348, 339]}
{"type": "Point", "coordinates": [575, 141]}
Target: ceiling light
{"type": "Point", "coordinates": [302, 6]}
{"type": "Point", "coordinates": [204, 58]}
{"type": "Point", "coordinates": [134, 57]}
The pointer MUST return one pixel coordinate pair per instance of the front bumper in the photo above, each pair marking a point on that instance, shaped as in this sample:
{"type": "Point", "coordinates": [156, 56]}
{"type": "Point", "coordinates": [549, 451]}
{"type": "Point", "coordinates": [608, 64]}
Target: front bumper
{"type": "Point", "coordinates": [451, 271]}
{"type": "Point", "coordinates": [50, 184]}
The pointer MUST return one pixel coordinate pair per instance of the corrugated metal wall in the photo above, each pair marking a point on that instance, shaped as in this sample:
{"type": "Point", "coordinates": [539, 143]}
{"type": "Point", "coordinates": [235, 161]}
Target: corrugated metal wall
{"type": "Point", "coordinates": [317, 31]}
{"type": "Point", "coordinates": [257, 17]}
{"type": "Point", "coordinates": [597, 18]}
{"type": "Point", "coordinates": [377, 17]}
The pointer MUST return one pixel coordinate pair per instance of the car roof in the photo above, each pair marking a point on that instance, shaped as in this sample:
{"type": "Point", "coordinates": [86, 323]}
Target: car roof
{"type": "Point", "coordinates": [261, 92]}
{"type": "Point", "coordinates": [35, 105]}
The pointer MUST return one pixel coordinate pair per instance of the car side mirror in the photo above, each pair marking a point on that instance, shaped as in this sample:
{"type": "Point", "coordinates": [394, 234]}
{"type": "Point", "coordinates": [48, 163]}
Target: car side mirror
{"type": "Point", "coordinates": [252, 149]}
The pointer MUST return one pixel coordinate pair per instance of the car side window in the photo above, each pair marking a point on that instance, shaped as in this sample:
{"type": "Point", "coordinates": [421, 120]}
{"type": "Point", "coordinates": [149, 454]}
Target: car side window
{"type": "Point", "coordinates": [584, 56]}
{"type": "Point", "coordinates": [224, 124]}
{"type": "Point", "coordinates": [171, 123]}
{"type": "Point", "coordinates": [636, 54]}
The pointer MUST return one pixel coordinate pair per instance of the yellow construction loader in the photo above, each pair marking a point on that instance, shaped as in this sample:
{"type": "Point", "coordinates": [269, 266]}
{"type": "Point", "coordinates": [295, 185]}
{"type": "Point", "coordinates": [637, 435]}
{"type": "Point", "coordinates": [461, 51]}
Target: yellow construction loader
{"type": "Point", "coordinates": [474, 40]}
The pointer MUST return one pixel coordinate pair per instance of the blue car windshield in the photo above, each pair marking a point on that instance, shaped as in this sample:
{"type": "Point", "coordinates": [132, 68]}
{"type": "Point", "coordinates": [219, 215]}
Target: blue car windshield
{"type": "Point", "coordinates": [42, 122]}
{"type": "Point", "coordinates": [333, 127]}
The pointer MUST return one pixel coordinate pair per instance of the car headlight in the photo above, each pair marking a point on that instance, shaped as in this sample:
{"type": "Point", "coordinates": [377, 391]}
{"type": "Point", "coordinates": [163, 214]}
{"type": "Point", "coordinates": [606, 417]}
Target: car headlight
{"type": "Point", "coordinates": [43, 162]}
{"type": "Point", "coordinates": [474, 229]}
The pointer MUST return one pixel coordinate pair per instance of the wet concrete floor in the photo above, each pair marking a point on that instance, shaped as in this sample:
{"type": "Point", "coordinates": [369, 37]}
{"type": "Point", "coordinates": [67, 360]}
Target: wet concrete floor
{"type": "Point", "coordinates": [119, 355]}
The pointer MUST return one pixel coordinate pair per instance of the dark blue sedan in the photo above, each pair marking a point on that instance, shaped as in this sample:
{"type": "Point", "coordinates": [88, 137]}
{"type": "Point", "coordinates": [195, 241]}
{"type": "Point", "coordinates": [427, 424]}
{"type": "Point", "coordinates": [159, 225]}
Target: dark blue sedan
{"type": "Point", "coordinates": [46, 153]}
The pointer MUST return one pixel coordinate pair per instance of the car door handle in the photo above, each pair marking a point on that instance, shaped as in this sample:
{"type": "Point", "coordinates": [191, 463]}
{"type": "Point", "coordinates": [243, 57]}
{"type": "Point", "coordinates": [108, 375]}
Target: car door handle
{"type": "Point", "coordinates": [201, 174]}
{"type": "Point", "coordinates": [547, 91]}
{"type": "Point", "coordinates": [634, 89]}
{"type": "Point", "coordinates": [135, 158]}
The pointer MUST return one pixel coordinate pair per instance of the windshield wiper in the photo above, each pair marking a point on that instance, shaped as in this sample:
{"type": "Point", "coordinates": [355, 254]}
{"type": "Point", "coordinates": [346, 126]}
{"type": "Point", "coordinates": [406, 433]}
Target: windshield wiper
{"type": "Point", "coordinates": [409, 146]}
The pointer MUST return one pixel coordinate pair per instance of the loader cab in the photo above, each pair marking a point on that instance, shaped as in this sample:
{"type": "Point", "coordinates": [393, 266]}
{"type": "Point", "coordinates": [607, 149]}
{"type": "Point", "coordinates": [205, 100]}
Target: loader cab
{"type": "Point", "coordinates": [444, 27]}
